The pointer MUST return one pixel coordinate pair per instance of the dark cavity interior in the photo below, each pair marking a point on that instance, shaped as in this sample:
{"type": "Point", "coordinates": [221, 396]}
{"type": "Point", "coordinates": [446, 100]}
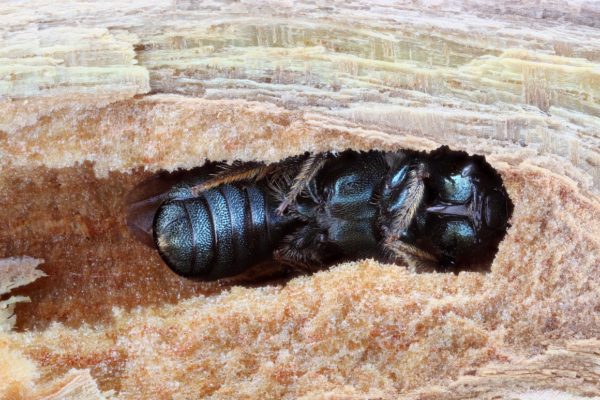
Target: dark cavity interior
{"type": "Point", "coordinates": [75, 222]}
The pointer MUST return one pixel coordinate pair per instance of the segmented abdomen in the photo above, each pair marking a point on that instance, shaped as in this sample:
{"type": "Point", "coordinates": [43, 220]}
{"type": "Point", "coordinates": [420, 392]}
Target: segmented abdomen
{"type": "Point", "coordinates": [220, 233]}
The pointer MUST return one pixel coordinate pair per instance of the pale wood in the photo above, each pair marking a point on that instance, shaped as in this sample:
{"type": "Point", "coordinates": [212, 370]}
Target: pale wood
{"type": "Point", "coordinates": [130, 85]}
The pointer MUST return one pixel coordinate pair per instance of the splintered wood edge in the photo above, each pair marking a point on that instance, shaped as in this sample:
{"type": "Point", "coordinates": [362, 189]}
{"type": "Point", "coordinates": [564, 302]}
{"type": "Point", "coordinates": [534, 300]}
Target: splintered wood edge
{"type": "Point", "coordinates": [15, 272]}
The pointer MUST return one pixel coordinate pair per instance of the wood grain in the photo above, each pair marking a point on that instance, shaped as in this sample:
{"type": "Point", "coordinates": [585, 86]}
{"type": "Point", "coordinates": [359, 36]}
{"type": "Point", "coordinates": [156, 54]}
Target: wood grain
{"type": "Point", "coordinates": [97, 95]}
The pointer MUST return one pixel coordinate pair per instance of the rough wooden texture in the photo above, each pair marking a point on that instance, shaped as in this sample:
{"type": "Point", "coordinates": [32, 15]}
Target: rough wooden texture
{"type": "Point", "coordinates": [94, 96]}
{"type": "Point", "coordinates": [572, 368]}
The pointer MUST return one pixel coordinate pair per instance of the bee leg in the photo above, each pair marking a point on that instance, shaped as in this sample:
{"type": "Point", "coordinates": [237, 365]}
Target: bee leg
{"type": "Point", "coordinates": [297, 260]}
{"type": "Point", "coordinates": [417, 260]}
{"type": "Point", "coordinates": [301, 251]}
{"type": "Point", "coordinates": [414, 192]}
{"type": "Point", "coordinates": [247, 171]}
{"type": "Point", "coordinates": [411, 192]}
{"type": "Point", "coordinates": [418, 265]}
{"type": "Point", "coordinates": [308, 170]}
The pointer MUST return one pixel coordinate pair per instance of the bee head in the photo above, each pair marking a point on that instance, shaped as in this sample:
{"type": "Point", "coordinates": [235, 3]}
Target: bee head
{"type": "Point", "coordinates": [465, 209]}
{"type": "Point", "coordinates": [447, 204]}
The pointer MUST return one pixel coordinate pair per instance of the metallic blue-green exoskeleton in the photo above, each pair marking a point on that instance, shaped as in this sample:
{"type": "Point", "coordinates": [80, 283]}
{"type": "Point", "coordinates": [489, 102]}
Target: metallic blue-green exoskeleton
{"type": "Point", "coordinates": [314, 210]}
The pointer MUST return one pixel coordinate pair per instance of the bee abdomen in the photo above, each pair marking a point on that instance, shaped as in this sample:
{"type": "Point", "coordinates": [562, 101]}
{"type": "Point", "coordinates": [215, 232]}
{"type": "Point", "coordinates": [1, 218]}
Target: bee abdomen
{"type": "Point", "coordinates": [218, 234]}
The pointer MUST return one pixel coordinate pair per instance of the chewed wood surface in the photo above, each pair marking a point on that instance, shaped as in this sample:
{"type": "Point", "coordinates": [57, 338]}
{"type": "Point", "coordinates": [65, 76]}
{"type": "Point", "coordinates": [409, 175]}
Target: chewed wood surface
{"type": "Point", "coordinates": [96, 96]}
{"type": "Point", "coordinates": [520, 80]}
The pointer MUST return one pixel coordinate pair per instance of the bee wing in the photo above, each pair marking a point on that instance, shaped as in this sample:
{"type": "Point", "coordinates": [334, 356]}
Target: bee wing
{"type": "Point", "coordinates": [143, 200]}
{"type": "Point", "coordinates": [236, 172]}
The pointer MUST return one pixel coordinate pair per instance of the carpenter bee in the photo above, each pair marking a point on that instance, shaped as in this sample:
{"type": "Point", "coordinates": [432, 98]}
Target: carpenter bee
{"type": "Point", "coordinates": [313, 210]}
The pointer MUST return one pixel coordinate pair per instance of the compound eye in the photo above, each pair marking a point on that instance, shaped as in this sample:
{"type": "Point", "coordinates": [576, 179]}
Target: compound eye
{"type": "Point", "coordinates": [458, 236]}
{"type": "Point", "coordinates": [496, 210]}
{"type": "Point", "coordinates": [456, 189]}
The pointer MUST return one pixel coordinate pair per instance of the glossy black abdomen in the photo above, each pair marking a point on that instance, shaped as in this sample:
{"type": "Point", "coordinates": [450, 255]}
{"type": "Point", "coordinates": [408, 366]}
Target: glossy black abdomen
{"type": "Point", "coordinates": [220, 233]}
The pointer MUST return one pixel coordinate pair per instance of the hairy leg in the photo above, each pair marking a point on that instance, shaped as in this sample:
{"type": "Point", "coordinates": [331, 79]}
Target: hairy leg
{"type": "Point", "coordinates": [308, 170]}
{"type": "Point", "coordinates": [414, 190]}
{"type": "Point", "coordinates": [301, 250]}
